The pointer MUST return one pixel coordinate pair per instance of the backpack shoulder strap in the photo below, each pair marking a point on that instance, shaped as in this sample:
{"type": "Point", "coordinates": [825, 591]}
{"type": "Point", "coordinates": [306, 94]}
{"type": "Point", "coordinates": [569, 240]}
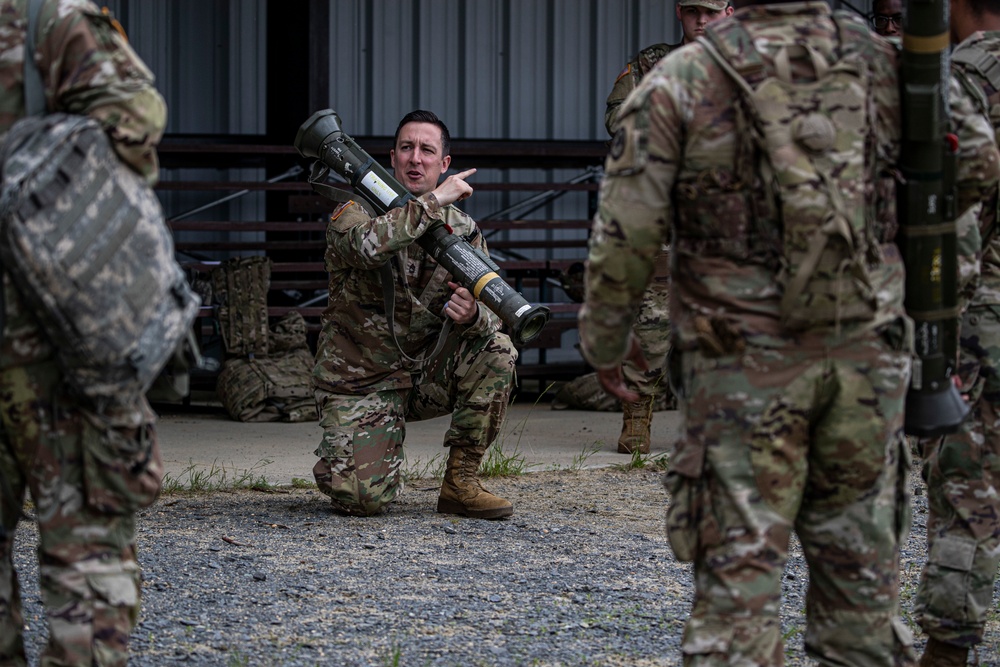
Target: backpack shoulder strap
{"type": "Point", "coordinates": [974, 59]}
{"type": "Point", "coordinates": [855, 38]}
{"type": "Point", "coordinates": [979, 59]}
{"type": "Point", "coordinates": [731, 46]}
{"type": "Point", "coordinates": [34, 89]}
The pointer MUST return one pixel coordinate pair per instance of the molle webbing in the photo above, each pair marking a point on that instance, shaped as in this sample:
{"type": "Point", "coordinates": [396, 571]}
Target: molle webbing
{"type": "Point", "coordinates": [812, 135]}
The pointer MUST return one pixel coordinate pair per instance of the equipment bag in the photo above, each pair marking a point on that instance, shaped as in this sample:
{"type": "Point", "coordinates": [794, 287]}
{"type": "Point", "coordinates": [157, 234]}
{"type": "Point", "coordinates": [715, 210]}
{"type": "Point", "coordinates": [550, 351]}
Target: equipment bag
{"type": "Point", "coordinates": [274, 388]}
{"type": "Point", "coordinates": [815, 148]}
{"type": "Point", "coordinates": [83, 238]}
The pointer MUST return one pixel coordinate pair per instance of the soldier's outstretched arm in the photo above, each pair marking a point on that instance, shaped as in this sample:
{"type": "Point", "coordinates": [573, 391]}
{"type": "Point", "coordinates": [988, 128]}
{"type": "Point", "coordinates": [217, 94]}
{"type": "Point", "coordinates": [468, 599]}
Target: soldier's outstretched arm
{"type": "Point", "coordinates": [631, 224]}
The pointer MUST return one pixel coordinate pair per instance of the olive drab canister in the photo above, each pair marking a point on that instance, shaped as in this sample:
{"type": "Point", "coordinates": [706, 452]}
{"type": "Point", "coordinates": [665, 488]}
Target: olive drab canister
{"type": "Point", "coordinates": [926, 203]}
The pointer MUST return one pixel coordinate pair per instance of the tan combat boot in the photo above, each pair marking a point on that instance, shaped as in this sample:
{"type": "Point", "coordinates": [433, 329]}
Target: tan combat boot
{"type": "Point", "coordinates": [941, 654]}
{"type": "Point", "coordinates": [636, 418]}
{"type": "Point", "coordinates": [461, 491]}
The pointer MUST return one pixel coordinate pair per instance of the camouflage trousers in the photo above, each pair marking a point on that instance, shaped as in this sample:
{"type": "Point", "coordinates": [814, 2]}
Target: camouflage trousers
{"type": "Point", "coordinates": [962, 472]}
{"type": "Point", "coordinates": [86, 477]}
{"type": "Point", "coordinates": [803, 439]}
{"type": "Point", "coordinates": [362, 448]}
{"type": "Point", "coordinates": [652, 328]}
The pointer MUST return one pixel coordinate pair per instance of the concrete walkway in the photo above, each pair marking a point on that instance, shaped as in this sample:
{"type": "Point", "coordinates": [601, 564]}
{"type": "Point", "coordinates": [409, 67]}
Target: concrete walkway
{"type": "Point", "coordinates": [546, 439]}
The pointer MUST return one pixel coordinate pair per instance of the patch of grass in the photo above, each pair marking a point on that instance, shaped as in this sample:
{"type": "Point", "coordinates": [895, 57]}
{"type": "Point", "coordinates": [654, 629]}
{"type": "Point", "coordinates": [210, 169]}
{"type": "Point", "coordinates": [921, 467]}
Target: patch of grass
{"type": "Point", "coordinates": [504, 461]}
{"type": "Point", "coordinates": [299, 483]}
{"type": "Point", "coordinates": [237, 659]}
{"type": "Point", "coordinates": [640, 461]}
{"type": "Point", "coordinates": [500, 463]}
{"type": "Point", "coordinates": [791, 648]}
{"type": "Point", "coordinates": [216, 477]}
{"type": "Point", "coordinates": [432, 469]}
{"type": "Point", "coordinates": [580, 459]}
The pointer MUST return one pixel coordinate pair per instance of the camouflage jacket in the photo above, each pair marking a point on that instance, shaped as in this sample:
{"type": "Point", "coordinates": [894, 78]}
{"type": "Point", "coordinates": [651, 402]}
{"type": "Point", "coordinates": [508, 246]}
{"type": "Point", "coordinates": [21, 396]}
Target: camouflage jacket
{"type": "Point", "coordinates": [87, 68]}
{"type": "Point", "coordinates": [679, 130]}
{"type": "Point", "coordinates": [355, 353]}
{"type": "Point", "coordinates": [988, 290]}
{"type": "Point", "coordinates": [630, 77]}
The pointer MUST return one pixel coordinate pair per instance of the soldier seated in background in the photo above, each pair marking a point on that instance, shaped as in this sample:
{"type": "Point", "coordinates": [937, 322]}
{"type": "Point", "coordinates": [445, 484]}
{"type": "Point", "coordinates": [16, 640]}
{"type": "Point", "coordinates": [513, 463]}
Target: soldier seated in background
{"type": "Point", "coordinates": [652, 326]}
{"type": "Point", "coordinates": [377, 365]}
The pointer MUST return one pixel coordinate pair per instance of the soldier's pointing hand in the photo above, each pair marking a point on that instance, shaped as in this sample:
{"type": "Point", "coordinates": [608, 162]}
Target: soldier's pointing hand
{"type": "Point", "coordinates": [454, 188]}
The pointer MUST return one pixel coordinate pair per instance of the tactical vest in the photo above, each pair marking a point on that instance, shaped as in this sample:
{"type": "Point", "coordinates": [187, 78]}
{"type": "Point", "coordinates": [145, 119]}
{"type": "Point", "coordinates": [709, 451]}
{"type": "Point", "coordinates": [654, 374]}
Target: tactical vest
{"type": "Point", "coordinates": [805, 162]}
{"type": "Point", "coordinates": [240, 287]}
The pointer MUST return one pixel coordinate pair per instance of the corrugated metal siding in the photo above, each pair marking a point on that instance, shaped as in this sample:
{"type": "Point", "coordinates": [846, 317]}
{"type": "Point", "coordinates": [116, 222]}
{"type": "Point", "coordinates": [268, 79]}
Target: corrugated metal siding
{"type": "Point", "coordinates": [209, 58]}
{"type": "Point", "coordinates": [522, 69]}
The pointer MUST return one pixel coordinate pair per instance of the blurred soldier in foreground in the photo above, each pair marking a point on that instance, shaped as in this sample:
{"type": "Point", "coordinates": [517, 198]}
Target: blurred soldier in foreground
{"type": "Point", "coordinates": [652, 326]}
{"type": "Point", "coordinates": [963, 470]}
{"type": "Point", "coordinates": [787, 307]}
{"type": "Point", "coordinates": [442, 354]}
{"type": "Point", "coordinates": [87, 473]}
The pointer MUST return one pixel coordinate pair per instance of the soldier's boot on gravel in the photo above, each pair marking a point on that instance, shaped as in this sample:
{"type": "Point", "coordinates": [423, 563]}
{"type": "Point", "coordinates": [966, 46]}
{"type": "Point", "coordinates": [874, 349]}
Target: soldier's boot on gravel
{"type": "Point", "coordinates": [462, 493]}
{"type": "Point", "coordinates": [941, 654]}
{"type": "Point", "coordinates": [636, 418]}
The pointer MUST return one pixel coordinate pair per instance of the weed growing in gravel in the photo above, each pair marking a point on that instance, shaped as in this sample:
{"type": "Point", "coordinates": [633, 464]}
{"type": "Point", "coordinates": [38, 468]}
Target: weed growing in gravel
{"type": "Point", "coordinates": [433, 469]}
{"type": "Point", "coordinates": [217, 478]}
{"type": "Point", "coordinates": [499, 463]}
{"type": "Point", "coordinates": [580, 459]}
{"type": "Point", "coordinates": [640, 461]}
{"type": "Point", "coordinates": [791, 648]}
{"type": "Point", "coordinates": [237, 659]}
{"type": "Point", "coordinates": [394, 657]}
{"type": "Point", "coordinates": [299, 483]}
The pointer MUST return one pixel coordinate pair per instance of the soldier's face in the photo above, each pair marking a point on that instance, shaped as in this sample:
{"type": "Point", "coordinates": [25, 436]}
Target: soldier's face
{"type": "Point", "coordinates": [417, 159]}
{"type": "Point", "coordinates": [887, 17]}
{"type": "Point", "coordinates": [694, 19]}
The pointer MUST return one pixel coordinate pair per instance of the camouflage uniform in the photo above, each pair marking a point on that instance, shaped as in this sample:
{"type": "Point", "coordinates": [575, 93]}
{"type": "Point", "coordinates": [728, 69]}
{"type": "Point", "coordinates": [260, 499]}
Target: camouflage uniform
{"type": "Point", "coordinates": [652, 324]}
{"type": "Point", "coordinates": [782, 432]}
{"type": "Point", "coordinates": [365, 388]}
{"type": "Point", "coordinates": [87, 473]}
{"type": "Point", "coordinates": [963, 470]}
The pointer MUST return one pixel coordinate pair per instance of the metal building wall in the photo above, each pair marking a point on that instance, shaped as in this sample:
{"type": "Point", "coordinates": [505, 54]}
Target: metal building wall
{"type": "Point", "coordinates": [518, 69]}
{"type": "Point", "coordinates": [209, 59]}
{"type": "Point", "coordinates": [521, 69]}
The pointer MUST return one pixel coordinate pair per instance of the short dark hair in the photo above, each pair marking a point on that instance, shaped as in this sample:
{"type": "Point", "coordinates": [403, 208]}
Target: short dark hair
{"type": "Point", "coordinates": [422, 116]}
{"type": "Point", "coordinates": [875, 5]}
{"type": "Point", "coordinates": [980, 7]}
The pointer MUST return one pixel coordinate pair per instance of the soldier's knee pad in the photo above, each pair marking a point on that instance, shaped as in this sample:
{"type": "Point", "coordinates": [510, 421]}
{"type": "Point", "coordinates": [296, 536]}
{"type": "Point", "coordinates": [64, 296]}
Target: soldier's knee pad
{"type": "Point", "coordinates": [353, 495]}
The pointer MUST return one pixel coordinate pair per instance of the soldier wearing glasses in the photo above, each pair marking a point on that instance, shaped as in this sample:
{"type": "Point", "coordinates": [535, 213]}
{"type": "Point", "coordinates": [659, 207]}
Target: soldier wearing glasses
{"type": "Point", "coordinates": [887, 17]}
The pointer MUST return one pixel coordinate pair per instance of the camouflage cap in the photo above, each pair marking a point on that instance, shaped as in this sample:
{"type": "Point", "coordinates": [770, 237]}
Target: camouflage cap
{"type": "Point", "coordinates": [717, 5]}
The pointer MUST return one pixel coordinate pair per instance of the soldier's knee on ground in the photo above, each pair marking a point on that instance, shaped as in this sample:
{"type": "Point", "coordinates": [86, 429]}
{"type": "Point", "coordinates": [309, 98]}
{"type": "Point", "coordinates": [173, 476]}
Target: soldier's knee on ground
{"type": "Point", "coordinates": [352, 495]}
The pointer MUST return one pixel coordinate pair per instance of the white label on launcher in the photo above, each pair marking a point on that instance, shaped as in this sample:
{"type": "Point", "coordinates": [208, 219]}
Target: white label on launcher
{"type": "Point", "coordinates": [378, 187]}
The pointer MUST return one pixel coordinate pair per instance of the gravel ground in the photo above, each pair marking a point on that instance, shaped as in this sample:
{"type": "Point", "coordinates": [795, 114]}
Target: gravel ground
{"type": "Point", "coordinates": [581, 575]}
